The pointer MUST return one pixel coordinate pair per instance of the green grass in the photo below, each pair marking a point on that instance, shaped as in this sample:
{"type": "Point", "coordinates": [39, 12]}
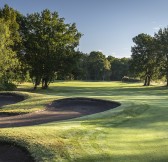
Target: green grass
{"type": "Point", "coordinates": [33, 102]}
{"type": "Point", "coordinates": [137, 131]}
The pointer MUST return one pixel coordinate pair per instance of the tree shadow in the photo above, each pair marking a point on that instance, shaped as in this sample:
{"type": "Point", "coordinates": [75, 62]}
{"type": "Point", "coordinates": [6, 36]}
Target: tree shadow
{"type": "Point", "coordinates": [100, 91]}
{"type": "Point", "coordinates": [123, 157]}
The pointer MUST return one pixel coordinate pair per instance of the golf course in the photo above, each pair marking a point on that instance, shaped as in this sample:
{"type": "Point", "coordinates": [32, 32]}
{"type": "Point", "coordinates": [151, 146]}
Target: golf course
{"type": "Point", "coordinates": [83, 81]}
{"type": "Point", "coordinates": [135, 130]}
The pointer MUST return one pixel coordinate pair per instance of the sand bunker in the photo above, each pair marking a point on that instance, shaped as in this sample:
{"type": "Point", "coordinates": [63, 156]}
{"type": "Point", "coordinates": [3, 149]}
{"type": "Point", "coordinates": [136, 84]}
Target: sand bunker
{"type": "Point", "coordinates": [8, 98]}
{"type": "Point", "coordinates": [84, 105]}
{"type": "Point", "coordinates": [59, 110]}
{"type": "Point", "coordinates": [11, 153]}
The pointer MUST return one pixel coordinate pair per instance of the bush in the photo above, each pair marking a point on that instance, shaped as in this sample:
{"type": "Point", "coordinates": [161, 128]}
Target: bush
{"type": "Point", "coordinates": [7, 87]}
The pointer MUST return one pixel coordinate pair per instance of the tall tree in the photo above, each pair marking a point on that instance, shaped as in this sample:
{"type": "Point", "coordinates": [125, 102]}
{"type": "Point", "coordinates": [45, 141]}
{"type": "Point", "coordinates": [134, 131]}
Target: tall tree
{"type": "Point", "coordinates": [10, 40]}
{"type": "Point", "coordinates": [119, 67]}
{"type": "Point", "coordinates": [9, 15]}
{"type": "Point", "coordinates": [98, 65]}
{"type": "Point", "coordinates": [144, 57]}
{"type": "Point", "coordinates": [49, 43]}
{"type": "Point", "coordinates": [162, 42]}
{"type": "Point", "coordinates": [8, 58]}
{"type": "Point", "coordinates": [83, 67]}
{"type": "Point", "coordinates": [70, 66]}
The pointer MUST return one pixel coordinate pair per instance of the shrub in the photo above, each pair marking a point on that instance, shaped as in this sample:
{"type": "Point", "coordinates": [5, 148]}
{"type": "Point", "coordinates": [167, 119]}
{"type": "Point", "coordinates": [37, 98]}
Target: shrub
{"type": "Point", "coordinates": [7, 87]}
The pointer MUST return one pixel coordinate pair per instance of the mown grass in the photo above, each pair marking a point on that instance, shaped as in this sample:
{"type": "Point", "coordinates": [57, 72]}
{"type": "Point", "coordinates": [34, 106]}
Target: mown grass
{"type": "Point", "coordinates": [134, 132]}
{"type": "Point", "coordinates": [33, 102]}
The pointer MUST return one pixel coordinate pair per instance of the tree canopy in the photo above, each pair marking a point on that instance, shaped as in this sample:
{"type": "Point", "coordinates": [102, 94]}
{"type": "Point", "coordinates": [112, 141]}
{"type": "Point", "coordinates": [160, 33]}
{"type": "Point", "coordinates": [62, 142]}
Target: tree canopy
{"type": "Point", "coordinates": [42, 47]}
{"type": "Point", "coordinates": [144, 57]}
{"type": "Point", "coordinates": [162, 51]}
{"type": "Point", "coordinates": [48, 45]}
{"type": "Point", "coordinates": [10, 38]}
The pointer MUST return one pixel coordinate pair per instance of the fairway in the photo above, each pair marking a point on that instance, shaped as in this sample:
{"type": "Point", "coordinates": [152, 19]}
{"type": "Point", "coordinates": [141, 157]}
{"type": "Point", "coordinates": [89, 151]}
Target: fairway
{"type": "Point", "coordinates": [136, 131]}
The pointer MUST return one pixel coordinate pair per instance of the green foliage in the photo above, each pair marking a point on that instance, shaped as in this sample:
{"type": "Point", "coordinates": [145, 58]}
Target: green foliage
{"type": "Point", "coordinates": [119, 68]}
{"type": "Point", "coordinates": [149, 58]}
{"type": "Point", "coordinates": [41, 46]}
{"type": "Point", "coordinates": [8, 87]}
{"type": "Point", "coordinates": [8, 58]}
{"type": "Point", "coordinates": [94, 66]}
{"type": "Point", "coordinates": [10, 40]}
{"type": "Point", "coordinates": [98, 65]}
{"type": "Point", "coordinates": [162, 50]}
{"type": "Point", "coordinates": [144, 57]}
{"type": "Point", "coordinates": [82, 69]}
{"type": "Point", "coordinates": [9, 15]}
{"type": "Point", "coordinates": [49, 45]}
{"type": "Point", "coordinates": [69, 69]}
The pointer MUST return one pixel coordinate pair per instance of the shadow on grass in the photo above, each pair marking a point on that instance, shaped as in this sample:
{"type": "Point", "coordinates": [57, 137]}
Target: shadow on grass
{"type": "Point", "coordinates": [101, 91]}
{"type": "Point", "coordinates": [132, 121]}
{"type": "Point", "coordinates": [133, 116]}
{"type": "Point", "coordinates": [123, 157]}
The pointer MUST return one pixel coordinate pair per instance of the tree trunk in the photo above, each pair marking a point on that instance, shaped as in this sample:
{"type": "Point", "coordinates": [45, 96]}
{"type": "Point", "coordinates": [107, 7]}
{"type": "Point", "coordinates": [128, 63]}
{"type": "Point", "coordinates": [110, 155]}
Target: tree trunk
{"type": "Point", "coordinates": [146, 80]}
{"type": "Point", "coordinates": [37, 82]}
{"type": "Point", "coordinates": [149, 79]}
{"type": "Point", "coordinates": [104, 75]}
{"type": "Point", "coordinates": [35, 86]}
{"type": "Point", "coordinates": [45, 83]}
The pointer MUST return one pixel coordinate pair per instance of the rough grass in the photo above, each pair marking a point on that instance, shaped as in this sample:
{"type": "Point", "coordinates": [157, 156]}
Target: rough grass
{"type": "Point", "coordinates": [133, 132]}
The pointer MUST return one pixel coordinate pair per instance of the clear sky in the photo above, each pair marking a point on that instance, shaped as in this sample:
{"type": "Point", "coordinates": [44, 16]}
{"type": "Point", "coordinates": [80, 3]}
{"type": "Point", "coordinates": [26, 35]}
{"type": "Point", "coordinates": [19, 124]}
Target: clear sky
{"type": "Point", "coordinates": [107, 25]}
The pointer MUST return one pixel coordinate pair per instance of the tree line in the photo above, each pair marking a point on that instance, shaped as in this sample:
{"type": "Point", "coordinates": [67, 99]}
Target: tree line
{"type": "Point", "coordinates": [97, 66]}
{"type": "Point", "coordinates": [37, 45]}
{"type": "Point", "coordinates": [41, 47]}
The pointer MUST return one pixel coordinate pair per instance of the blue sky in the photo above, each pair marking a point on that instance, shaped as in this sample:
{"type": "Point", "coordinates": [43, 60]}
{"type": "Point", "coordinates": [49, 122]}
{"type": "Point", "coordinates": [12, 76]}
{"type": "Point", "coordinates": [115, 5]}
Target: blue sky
{"type": "Point", "coordinates": [107, 25]}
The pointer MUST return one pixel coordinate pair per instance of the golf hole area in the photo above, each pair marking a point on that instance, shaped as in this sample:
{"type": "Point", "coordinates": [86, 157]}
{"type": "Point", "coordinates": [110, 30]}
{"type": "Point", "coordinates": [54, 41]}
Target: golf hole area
{"type": "Point", "coordinates": [13, 153]}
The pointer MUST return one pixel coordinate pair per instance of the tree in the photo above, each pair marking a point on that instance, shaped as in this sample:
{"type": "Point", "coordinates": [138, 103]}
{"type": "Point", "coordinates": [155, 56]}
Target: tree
{"type": "Point", "coordinates": [9, 15]}
{"type": "Point", "coordinates": [69, 69]}
{"type": "Point", "coordinates": [10, 40]}
{"type": "Point", "coordinates": [82, 67]}
{"type": "Point", "coordinates": [49, 44]}
{"type": "Point", "coordinates": [119, 67]}
{"type": "Point", "coordinates": [98, 65]}
{"type": "Point", "coordinates": [8, 58]}
{"type": "Point", "coordinates": [144, 57]}
{"type": "Point", "coordinates": [162, 42]}
{"type": "Point", "coordinates": [106, 69]}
